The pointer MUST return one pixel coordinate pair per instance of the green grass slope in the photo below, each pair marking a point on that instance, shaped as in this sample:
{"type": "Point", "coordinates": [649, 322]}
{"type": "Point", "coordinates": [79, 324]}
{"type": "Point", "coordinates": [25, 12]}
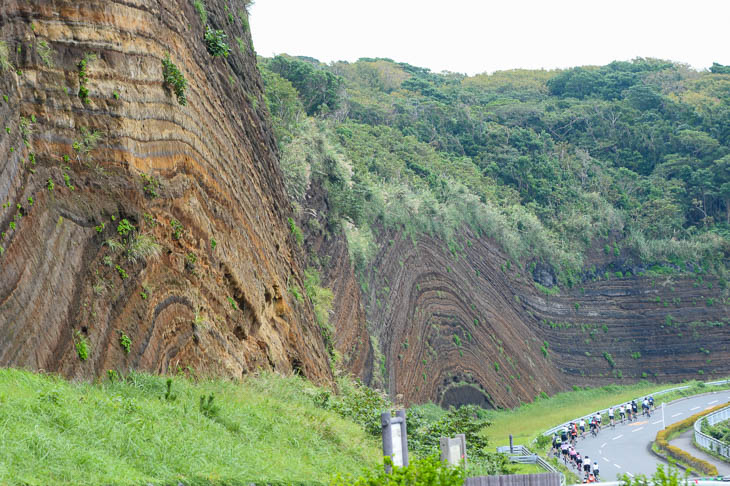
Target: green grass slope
{"type": "Point", "coordinates": [265, 430]}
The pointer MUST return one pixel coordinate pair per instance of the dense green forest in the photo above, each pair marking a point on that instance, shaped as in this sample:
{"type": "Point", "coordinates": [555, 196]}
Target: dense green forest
{"type": "Point", "coordinates": [633, 157]}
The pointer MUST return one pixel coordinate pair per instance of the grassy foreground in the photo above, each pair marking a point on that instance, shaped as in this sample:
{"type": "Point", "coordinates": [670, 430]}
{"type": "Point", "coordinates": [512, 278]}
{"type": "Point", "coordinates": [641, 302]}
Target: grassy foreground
{"type": "Point", "coordinates": [530, 420]}
{"type": "Point", "coordinates": [265, 430]}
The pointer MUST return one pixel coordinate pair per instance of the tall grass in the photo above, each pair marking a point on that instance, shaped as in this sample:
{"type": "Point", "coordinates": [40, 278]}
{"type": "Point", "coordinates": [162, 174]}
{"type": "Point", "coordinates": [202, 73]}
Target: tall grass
{"type": "Point", "coordinates": [267, 430]}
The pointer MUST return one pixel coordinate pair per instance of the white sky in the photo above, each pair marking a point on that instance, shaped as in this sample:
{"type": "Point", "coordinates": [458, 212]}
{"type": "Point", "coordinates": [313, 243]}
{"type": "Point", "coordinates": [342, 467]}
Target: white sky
{"type": "Point", "coordinates": [473, 36]}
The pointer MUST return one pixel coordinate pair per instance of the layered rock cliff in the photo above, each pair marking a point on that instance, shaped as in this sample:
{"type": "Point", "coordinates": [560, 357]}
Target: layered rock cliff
{"type": "Point", "coordinates": [470, 326]}
{"type": "Point", "coordinates": [98, 160]}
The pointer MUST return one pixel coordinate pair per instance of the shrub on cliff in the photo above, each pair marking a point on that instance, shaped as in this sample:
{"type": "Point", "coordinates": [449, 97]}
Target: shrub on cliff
{"type": "Point", "coordinates": [174, 79]}
{"type": "Point", "coordinates": [215, 42]}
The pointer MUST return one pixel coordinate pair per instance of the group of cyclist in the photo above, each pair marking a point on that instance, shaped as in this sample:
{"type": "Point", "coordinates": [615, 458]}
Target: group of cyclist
{"type": "Point", "coordinates": [565, 440]}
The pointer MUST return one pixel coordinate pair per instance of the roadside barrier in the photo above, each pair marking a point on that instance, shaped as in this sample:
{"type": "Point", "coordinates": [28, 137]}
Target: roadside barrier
{"type": "Point", "coordinates": [710, 443]}
{"type": "Point", "coordinates": [522, 455]}
{"type": "Point", "coordinates": [684, 456]}
{"type": "Point", "coordinates": [605, 410]}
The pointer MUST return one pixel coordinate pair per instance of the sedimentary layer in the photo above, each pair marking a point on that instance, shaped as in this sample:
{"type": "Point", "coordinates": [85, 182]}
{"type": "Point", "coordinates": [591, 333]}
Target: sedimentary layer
{"type": "Point", "coordinates": [201, 179]}
{"type": "Point", "coordinates": [464, 324]}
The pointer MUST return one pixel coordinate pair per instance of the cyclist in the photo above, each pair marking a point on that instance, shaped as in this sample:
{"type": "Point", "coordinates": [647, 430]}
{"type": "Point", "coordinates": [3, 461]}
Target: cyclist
{"type": "Point", "coordinates": [592, 425]}
{"type": "Point", "coordinates": [582, 425]}
{"type": "Point", "coordinates": [587, 466]}
{"type": "Point", "coordinates": [573, 433]}
{"type": "Point", "coordinates": [610, 417]}
{"type": "Point", "coordinates": [645, 407]}
{"type": "Point", "coordinates": [572, 453]}
{"type": "Point", "coordinates": [564, 433]}
{"type": "Point", "coordinates": [564, 450]}
{"type": "Point", "coordinates": [628, 411]}
{"type": "Point", "coordinates": [634, 409]}
{"type": "Point", "coordinates": [598, 421]}
{"type": "Point", "coordinates": [578, 461]}
{"type": "Point", "coordinates": [651, 402]}
{"type": "Point", "coordinates": [622, 412]}
{"type": "Point", "coordinates": [595, 470]}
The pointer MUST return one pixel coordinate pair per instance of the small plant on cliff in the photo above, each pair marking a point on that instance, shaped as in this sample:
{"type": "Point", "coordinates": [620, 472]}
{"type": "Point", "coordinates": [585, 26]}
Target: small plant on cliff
{"type": "Point", "coordinates": [82, 345]}
{"type": "Point", "coordinates": [174, 79]}
{"type": "Point", "coordinates": [45, 52]}
{"type": "Point", "coordinates": [84, 77]}
{"type": "Point", "coordinates": [124, 227]}
{"type": "Point", "coordinates": [85, 145]}
{"type": "Point", "coordinates": [150, 184]}
{"type": "Point", "coordinates": [610, 360]}
{"type": "Point", "coordinates": [544, 348]}
{"type": "Point", "coordinates": [142, 247]}
{"type": "Point", "coordinates": [177, 229]}
{"type": "Point", "coordinates": [202, 12]}
{"type": "Point", "coordinates": [125, 342]}
{"type": "Point", "coordinates": [322, 298]}
{"type": "Point", "coordinates": [67, 181]}
{"type": "Point", "coordinates": [296, 231]}
{"type": "Point", "coordinates": [233, 303]}
{"type": "Point", "coordinates": [50, 185]}
{"type": "Point", "coordinates": [215, 42]}
{"type": "Point", "coordinates": [4, 58]}
{"type": "Point", "coordinates": [122, 272]}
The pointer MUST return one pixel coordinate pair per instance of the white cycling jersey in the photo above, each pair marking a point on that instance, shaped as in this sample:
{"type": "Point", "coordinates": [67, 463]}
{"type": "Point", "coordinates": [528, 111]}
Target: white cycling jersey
{"type": "Point", "coordinates": [610, 412]}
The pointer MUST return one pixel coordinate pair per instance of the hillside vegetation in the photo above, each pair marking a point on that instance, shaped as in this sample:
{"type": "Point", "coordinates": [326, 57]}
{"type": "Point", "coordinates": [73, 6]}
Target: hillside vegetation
{"type": "Point", "coordinates": [632, 158]}
{"type": "Point", "coordinates": [266, 430]}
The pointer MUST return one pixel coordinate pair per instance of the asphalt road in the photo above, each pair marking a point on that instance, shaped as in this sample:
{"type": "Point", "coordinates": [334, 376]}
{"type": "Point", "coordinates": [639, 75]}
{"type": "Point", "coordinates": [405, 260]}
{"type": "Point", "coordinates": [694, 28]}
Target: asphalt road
{"type": "Point", "coordinates": [625, 447]}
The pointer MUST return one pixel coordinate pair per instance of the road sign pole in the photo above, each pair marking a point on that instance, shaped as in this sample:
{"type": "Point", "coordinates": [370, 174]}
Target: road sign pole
{"type": "Point", "coordinates": [663, 426]}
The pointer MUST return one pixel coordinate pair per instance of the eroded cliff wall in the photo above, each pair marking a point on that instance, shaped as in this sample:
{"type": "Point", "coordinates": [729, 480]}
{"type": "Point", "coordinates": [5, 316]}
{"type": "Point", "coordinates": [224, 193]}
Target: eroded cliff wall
{"type": "Point", "coordinates": [464, 324]}
{"type": "Point", "coordinates": [202, 179]}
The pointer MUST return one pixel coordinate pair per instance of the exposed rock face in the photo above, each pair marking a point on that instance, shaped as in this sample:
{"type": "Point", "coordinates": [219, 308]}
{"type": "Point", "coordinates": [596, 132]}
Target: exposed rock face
{"type": "Point", "coordinates": [472, 327]}
{"type": "Point", "coordinates": [216, 298]}
{"type": "Point", "coordinates": [351, 338]}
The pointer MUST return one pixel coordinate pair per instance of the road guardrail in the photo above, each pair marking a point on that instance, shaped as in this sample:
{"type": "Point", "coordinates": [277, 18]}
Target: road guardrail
{"type": "Point", "coordinates": [710, 443]}
{"type": "Point", "coordinates": [605, 410]}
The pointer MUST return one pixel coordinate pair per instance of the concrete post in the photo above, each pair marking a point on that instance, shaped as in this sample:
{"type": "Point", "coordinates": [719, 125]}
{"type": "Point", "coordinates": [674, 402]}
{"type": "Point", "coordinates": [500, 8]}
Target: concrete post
{"type": "Point", "coordinates": [395, 438]}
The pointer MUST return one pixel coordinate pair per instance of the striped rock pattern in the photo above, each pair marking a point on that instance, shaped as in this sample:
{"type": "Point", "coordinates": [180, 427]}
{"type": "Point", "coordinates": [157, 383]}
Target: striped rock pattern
{"type": "Point", "coordinates": [202, 179]}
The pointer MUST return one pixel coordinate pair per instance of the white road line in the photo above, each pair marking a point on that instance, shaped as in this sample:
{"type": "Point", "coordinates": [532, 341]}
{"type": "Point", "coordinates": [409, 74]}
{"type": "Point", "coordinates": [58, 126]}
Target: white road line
{"type": "Point", "coordinates": [617, 466]}
{"type": "Point", "coordinates": [617, 437]}
{"type": "Point", "coordinates": [636, 430]}
{"type": "Point", "coordinates": [677, 414]}
{"type": "Point", "coordinates": [696, 408]}
{"type": "Point", "coordinates": [606, 460]}
{"type": "Point", "coordinates": [603, 445]}
{"type": "Point", "coordinates": [714, 401]}
{"type": "Point", "coordinates": [657, 422]}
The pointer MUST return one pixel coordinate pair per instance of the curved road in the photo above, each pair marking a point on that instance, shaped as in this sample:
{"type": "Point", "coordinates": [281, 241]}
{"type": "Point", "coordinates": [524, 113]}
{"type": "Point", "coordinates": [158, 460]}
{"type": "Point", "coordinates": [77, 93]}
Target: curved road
{"type": "Point", "coordinates": [625, 448]}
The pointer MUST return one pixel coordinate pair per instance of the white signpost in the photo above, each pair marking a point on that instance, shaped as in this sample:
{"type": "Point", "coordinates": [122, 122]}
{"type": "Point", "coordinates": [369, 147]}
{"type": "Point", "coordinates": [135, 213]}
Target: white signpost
{"type": "Point", "coordinates": [395, 438]}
